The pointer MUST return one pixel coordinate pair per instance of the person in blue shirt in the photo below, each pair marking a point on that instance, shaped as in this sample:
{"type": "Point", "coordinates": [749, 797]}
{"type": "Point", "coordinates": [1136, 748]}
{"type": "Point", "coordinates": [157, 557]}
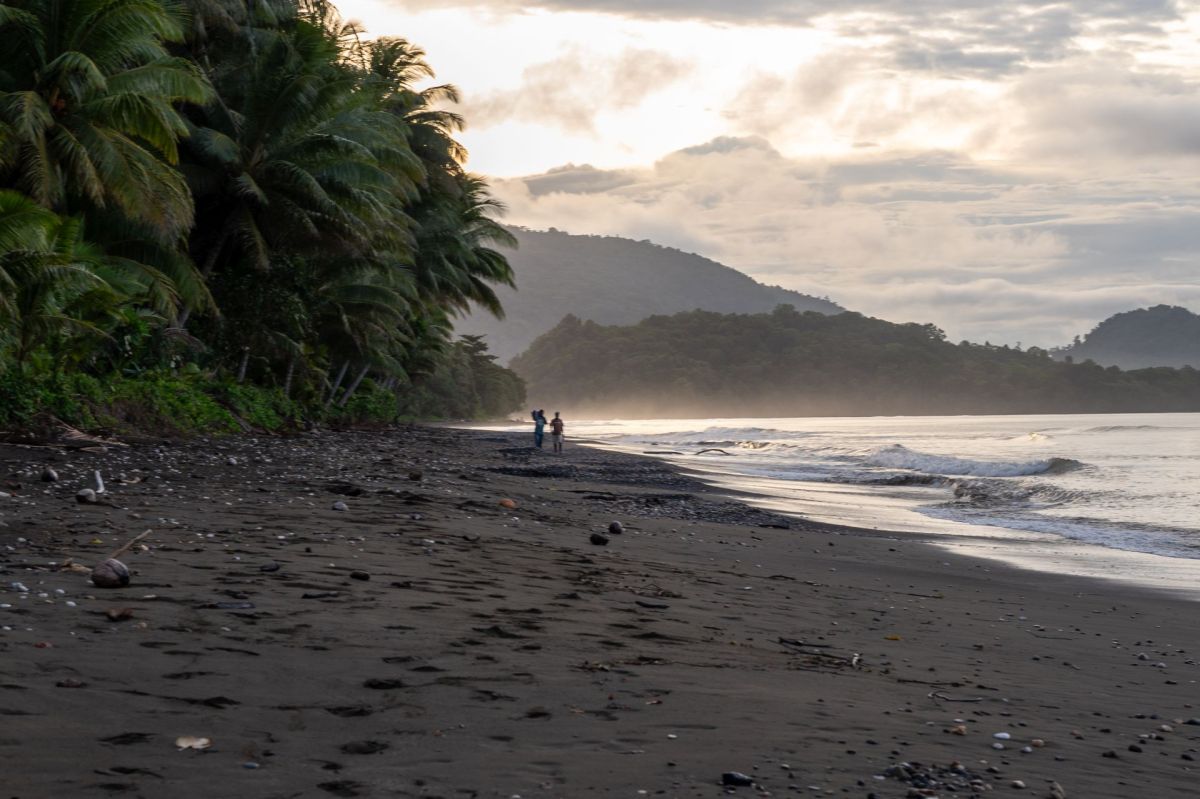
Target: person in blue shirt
{"type": "Point", "coordinates": [539, 428]}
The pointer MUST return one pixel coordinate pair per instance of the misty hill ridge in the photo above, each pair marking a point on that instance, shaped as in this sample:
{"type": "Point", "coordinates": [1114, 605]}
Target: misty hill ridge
{"type": "Point", "coordinates": [1165, 335]}
{"type": "Point", "coordinates": [613, 280]}
{"type": "Point", "coordinates": [787, 363]}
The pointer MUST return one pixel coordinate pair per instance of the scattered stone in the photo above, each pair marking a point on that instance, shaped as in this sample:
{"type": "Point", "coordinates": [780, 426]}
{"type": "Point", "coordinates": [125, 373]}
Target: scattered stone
{"type": "Point", "coordinates": [615, 528]}
{"type": "Point", "coordinates": [191, 742]}
{"type": "Point", "coordinates": [339, 505]}
{"type": "Point", "coordinates": [1018, 784]}
{"type": "Point", "coordinates": [1110, 754]}
{"type": "Point", "coordinates": [49, 475]}
{"type": "Point", "coordinates": [737, 779]}
{"type": "Point", "coordinates": [416, 477]}
{"type": "Point", "coordinates": [86, 496]}
{"type": "Point", "coordinates": [119, 614]}
{"type": "Point", "coordinates": [508, 503]}
{"type": "Point", "coordinates": [112, 573]}
{"type": "Point", "coordinates": [599, 539]}
{"type": "Point", "coordinates": [272, 566]}
{"type": "Point", "coordinates": [1056, 792]}
{"type": "Point", "coordinates": [364, 747]}
{"type": "Point", "coordinates": [357, 575]}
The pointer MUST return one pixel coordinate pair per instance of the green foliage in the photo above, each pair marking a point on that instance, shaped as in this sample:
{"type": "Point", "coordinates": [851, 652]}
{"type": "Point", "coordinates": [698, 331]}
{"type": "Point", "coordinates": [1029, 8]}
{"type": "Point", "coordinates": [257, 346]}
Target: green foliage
{"type": "Point", "coordinates": [787, 363]}
{"type": "Point", "coordinates": [1164, 335]}
{"type": "Point", "coordinates": [248, 191]}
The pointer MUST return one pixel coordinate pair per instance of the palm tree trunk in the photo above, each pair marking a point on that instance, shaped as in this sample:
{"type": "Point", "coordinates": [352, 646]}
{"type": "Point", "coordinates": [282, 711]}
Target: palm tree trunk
{"type": "Point", "coordinates": [354, 386]}
{"type": "Point", "coordinates": [337, 384]}
{"type": "Point", "coordinates": [287, 380]}
{"type": "Point", "coordinates": [244, 364]}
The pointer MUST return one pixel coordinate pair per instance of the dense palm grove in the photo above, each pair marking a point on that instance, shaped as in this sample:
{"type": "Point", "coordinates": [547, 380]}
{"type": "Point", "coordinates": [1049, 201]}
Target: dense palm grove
{"type": "Point", "coordinates": [788, 363]}
{"type": "Point", "coordinates": [240, 194]}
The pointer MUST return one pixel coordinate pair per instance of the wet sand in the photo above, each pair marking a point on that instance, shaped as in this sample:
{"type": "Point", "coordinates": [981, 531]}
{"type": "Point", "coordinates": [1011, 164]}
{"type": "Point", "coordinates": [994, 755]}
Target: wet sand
{"type": "Point", "coordinates": [428, 642]}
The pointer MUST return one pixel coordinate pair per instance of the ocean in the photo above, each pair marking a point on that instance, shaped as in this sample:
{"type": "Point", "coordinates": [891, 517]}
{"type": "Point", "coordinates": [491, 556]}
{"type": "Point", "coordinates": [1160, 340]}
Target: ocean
{"type": "Point", "coordinates": [1114, 496]}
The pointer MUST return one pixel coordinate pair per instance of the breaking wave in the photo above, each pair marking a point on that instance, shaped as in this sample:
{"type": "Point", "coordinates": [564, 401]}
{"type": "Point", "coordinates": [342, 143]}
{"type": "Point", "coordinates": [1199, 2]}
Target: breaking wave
{"type": "Point", "coordinates": [898, 456]}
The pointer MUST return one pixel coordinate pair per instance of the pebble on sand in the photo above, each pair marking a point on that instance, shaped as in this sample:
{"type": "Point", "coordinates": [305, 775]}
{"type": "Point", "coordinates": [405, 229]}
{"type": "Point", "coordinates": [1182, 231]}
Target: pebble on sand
{"type": "Point", "coordinates": [599, 539]}
{"type": "Point", "coordinates": [615, 528]}
{"type": "Point", "coordinates": [339, 505]}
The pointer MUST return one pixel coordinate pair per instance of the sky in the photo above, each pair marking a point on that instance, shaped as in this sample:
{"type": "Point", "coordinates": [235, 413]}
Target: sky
{"type": "Point", "coordinates": [1012, 172]}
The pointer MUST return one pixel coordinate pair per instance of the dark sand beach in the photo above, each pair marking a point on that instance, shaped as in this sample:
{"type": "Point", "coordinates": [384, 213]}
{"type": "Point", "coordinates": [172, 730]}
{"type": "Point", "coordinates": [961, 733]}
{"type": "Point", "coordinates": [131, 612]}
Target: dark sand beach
{"type": "Point", "coordinates": [427, 641]}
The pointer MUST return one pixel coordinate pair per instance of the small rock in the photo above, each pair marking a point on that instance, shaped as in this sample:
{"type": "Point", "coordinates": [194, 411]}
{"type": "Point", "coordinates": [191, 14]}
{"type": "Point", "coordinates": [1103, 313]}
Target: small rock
{"type": "Point", "coordinates": [272, 566]}
{"type": "Point", "coordinates": [1110, 754]}
{"type": "Point", "coordinates": [1135, 748]}
{"type": "Point", "coordinates": [339, 505]}
{"type": "Point", "coordinates": [119, 614]}
{"type": "Point", "coordinates": [1018, 784]}
{"type": "Point", "coordinates": [599, 539]}
{"type": "Point", "coordinates": [49, 475]}
{"type": "Point", "coordinates": [357, 575]}
{"type": "Point", "coordinates": [1056, 791]}
{"type": "Point", "coordinates": [86, 496]}
{"type": "Point", "coordinates": [615, 528]}
{"type": "Point", "coordinates": [1001, 736]}
{"type": "Point", "coordinates": [736, 779]}
{"type": "Point", "coordinates": [416, 477]}
{"type": "Point", "coordinates": [508, 503]}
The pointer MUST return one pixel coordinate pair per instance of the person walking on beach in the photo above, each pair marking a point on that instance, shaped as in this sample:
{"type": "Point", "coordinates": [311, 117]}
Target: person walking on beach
{"type": "Point", "coordinates": [539, 428]}
{"type": "Point", "coordinates": [556, 432]}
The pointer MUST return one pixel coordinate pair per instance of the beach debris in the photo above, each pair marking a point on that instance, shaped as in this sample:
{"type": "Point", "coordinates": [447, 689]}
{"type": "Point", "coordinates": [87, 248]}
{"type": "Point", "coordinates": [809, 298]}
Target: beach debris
{"type": "Point", "coordinates": [615, 528]}
{"type": "Point", "coordinates": [508, 503]}
{"type": "Point", "coordinates": [599, 539]}
{"type": "Point", "coordinates": [86, 496]}
{"type": "Point", "coordinates": [192, 742]}
{"type": "Point", "coordinates": [736, 779]}
{"type": "Point", "coordinates": [97, 482]}
{"type": "Point", "coordinates": [112, 573]}
{"type": "Point", "coordinates": [49, 475]}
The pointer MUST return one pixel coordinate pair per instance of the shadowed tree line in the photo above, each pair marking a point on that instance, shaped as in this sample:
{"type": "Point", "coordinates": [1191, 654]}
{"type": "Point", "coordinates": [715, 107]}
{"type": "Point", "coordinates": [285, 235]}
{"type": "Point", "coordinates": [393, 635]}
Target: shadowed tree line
{"type": "Point", "coordinates": [243, 189]}
{"type": "Point", "coordinates": [787, 363]}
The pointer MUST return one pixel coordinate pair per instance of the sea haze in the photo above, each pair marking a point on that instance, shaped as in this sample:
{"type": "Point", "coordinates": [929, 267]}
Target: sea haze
{"type": "Point", "coordinates": [1116, 483]}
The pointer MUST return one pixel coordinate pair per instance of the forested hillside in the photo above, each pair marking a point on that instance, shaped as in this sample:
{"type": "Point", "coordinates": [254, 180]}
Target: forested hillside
{"type": "Point", "coordinates": [214, 212]}
{"type": "Point", "coordinates": [612, 280]}
{"type": "Point", "coordinates": [789, 363]}
{"type": "Point", "coordinates": [1164, 335]}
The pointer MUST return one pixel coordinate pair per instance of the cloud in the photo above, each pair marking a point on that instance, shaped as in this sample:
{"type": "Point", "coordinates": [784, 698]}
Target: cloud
{"type": "Point", "coordinates": [956, 37]}
{"type": "Point", "coordinates": [983, 251]}
{"type": "Point", "coordinates": [571, 90]}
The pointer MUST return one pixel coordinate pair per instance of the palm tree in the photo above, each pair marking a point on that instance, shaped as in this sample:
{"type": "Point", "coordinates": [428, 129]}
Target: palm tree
{"type": "Point", "coordinates": [294, 159]}
{"type": "Point", "coordinates": [88, 115]}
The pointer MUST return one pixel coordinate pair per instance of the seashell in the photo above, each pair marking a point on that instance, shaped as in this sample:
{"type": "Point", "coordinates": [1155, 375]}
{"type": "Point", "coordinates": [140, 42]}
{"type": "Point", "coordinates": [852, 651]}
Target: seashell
{"type": "Point", "coordinates": [112, 573]}
{"type": "Point", "coordinates": [192, 742]}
